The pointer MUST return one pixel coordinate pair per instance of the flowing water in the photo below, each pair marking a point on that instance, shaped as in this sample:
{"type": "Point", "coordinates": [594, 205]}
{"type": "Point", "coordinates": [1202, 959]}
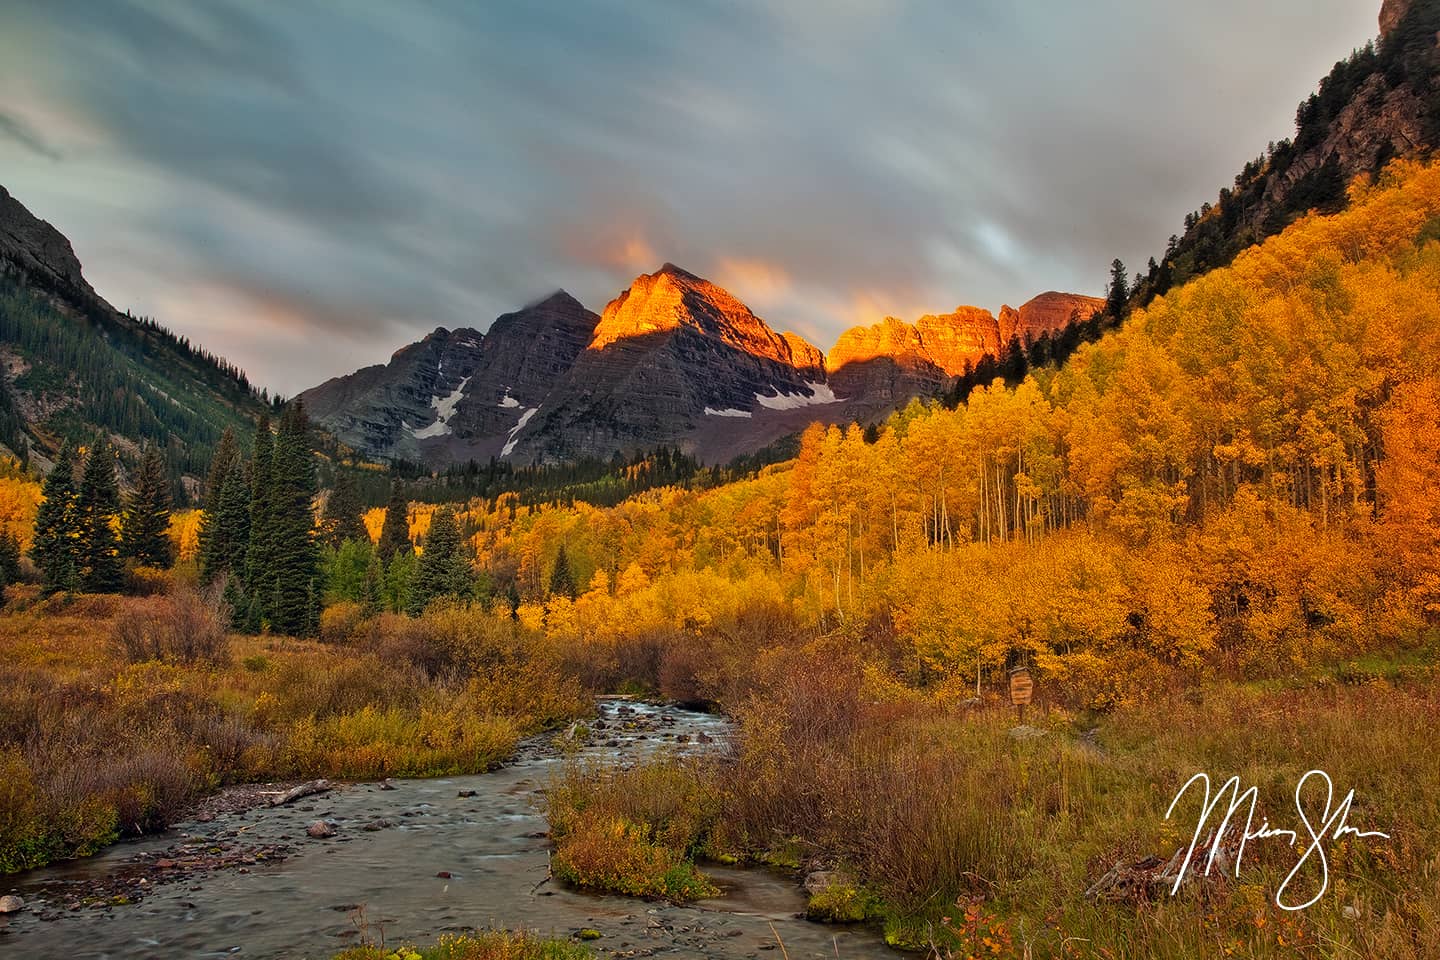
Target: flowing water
{"type": "Point", "coordinates": [391, 882]}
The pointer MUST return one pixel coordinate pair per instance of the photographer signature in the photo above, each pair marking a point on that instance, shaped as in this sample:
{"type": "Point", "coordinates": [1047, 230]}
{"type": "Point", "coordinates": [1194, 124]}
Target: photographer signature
{"type": "Point", "coordinates": [1332, 825]}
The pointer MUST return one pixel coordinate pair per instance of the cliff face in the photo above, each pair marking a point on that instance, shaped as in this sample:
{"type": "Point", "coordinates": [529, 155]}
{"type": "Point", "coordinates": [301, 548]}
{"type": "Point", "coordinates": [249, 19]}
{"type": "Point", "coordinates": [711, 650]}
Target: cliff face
{"type": "Point", "coordinates": [891, 361]}
{"type": "Point", "coordinates": [670, 353]}
{"type": "Point", "coordinates": [387, 410]}
{"type": "Point", "coordinates": [1049, 312]}
{"type": "Point", "coordinates": [32, 247]}
{"type": "Point", "coordinates": [66, 355]}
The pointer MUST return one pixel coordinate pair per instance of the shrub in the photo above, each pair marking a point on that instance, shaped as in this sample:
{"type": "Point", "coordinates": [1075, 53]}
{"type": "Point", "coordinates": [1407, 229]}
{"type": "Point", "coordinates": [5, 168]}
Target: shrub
{"type": "Point", "coordinates": [633, 831]}
{"type": "Point", "coordinates": [185, 626]}
{"type": "Point", "coordinates": [340, 622]}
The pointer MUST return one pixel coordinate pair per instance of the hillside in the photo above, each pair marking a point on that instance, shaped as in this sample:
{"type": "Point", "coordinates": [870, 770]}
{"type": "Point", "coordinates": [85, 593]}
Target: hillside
{"type": "Point", "coordinates": [1382, 102]}
{"type": "Point", "coordinates": [71, 364]}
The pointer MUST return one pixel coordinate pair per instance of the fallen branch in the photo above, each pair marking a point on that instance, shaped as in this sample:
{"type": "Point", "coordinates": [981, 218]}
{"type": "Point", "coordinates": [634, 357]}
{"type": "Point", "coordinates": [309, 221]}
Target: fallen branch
{"type": "Point", "coordinates": [303, 790]}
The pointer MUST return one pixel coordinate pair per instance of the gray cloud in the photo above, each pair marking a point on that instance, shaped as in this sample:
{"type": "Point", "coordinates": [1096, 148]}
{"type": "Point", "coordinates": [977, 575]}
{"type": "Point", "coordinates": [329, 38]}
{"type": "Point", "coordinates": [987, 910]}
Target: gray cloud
{"type": "Point", "coordinates": [267, 177]}
{"type": "Point", "coordinates": [21, 133]}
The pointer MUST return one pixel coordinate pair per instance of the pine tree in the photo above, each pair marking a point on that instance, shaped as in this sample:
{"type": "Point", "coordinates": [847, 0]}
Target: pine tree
{"type": "Point", "coordinates": [294, 559]}
{"type": "Point", "coordinates": [227, 456]}
{"type": "Point", "coordinates": [144, 529]}
{"type": "Point", "coordinates": [96, 508]}
{"type": "Point", "coordinates": [562, 579]}
{"type": "Point", "coordinates": [56, 546]}
{"type": "Point", "coordinates": [259, 575]}
{"type": "Point", "coordinates": [374, 585]}
{"type": "Point", "coordinates": [395, 532]}
{"type": "Point", "coordinates": [226, 550]}
{"type": "Point", "coordinates": [1119, 293]}
{"type": "Point", "coordinates": [9, 558]}
{"type": "Point", "coordinates": [444, 570]}
{"type": "Point", "coordinates": [341, 520]}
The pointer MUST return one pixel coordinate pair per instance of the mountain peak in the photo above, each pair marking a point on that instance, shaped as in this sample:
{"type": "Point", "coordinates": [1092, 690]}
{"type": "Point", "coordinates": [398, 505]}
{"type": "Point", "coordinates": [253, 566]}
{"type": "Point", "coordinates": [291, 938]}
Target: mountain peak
{"type": "Point", "coordinates": [669, 268]}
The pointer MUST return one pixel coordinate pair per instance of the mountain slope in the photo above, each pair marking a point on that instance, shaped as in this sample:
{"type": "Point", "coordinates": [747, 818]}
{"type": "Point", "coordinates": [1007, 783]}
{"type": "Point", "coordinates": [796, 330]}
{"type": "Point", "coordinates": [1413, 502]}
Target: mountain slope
{"type": "Point", "coordinates": [672, 352]}
{"type": "Point", "coordinates": [674, 361]}
{"type": "Point", "coordinates": [456, 395]}
{"type": "Point", "coordinates": [71, 364]}
{"type": "Point", "coordinates": [1381, 102]}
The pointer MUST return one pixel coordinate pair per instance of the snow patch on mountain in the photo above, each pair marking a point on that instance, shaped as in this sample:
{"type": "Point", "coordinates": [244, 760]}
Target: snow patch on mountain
{"type": "Point", "coordinates": [729, 412]}
{"type": "Point", "coordinates": [515, 431]}
{"type": "Point", "coordinates": [444, 408]}
{"type": "Point", "coordinates": [820, 393]}
{"type": "Point", "coordinates": [507, 400]}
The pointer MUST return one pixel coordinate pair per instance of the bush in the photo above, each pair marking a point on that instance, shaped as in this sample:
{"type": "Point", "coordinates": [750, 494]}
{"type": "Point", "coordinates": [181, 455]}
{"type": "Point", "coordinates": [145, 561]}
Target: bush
{"type": "Point", "coordinates": [340, 622]}
{"type": "Point", "coordinates": [634, 831]}
{"type": "Point", "coordinates": [185, 626]}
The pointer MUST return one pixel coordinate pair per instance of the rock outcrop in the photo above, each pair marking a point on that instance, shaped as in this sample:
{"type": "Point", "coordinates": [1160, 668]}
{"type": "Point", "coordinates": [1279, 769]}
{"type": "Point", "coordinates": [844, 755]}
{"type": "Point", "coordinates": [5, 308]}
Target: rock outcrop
{"type": "Point", "coordinates": [888, 362]}
{"type": "Point", "coordinates": [1049, 312]}
{"type": "Point", "coordinates": [32, 247]}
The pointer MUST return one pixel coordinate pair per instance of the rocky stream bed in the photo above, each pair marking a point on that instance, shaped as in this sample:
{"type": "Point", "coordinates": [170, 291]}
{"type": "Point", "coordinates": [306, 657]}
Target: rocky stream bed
{"type": "Point", "coordinates": [403, 861]}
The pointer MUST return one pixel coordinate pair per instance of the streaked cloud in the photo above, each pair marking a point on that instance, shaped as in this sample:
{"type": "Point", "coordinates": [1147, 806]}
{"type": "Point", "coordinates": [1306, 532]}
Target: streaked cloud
{"type": "Point", "coordinates": [265, 177]}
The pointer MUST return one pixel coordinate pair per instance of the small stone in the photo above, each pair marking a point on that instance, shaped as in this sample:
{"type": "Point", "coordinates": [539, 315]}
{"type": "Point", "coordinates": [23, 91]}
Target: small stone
{"type": "Point", "coordinates": [387, 784]}
{"type": "Point", "coordinates": [320, 830]}
{"type": "Point", "coordinates": [381, 824]}
{"type": "Point", "coordinates": [466, 793]}
{"type": "Point", "coordinates": [1025, 732]}
{"type": "Point", "coordinates": [163, 864]}
{"type": "Point", "coordinates": [1351, 912]}
{"type": "Point", "coordinates": [443, 874]}
{"type": "Point", "coordinates": [11, 904]}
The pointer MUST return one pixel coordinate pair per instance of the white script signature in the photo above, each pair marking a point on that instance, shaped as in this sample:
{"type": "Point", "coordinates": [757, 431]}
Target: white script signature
{"type": "Point", "coordinates": [1332, 825]}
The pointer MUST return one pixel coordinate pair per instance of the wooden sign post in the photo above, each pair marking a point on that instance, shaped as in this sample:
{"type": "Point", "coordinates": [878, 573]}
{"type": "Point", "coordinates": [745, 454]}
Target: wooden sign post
{"type": "Point", "coordinates": [1021, 688]}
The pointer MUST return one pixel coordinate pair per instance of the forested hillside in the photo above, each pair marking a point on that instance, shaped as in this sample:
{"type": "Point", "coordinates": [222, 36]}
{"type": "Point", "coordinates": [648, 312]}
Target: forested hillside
{"type": "Point", "coordinates": [1244, 476]}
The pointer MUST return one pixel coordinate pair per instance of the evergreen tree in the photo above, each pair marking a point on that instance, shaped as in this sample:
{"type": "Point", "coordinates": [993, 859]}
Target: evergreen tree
{"type": "Point", "coordinates": [512, 598]}
{"type": "Point", "coordinates": [341, 520]}
{"type": "Point", "coordinates": [399, 580]}
{"type": "Point", "coordinates": [259, 575]}
{"type": "Point", "coordinates": [562, 580]}
{"type": "Point", "coordinates": [226, 549]}
{"type": "Point", "coordinates": [395, 532]}
{"type": "Point", "coordinates": [443, 570]}
{"type": "Point", "coordinates": [294, 558]}
{"type": "Point", "coordinates": [227, 456]}
{"type": "Point", "coordinates": [56, 546]}
{"type": "Point", "coordinates": [96, 508]}
{"type": "Point", "coordinates": [374, 585]}
{"type": "Point", "coordinates": [1119, 292]}
{"type": "Point", "coordinates": [144, 529]}
{"type": "Point", "coordinates": [9, 558]}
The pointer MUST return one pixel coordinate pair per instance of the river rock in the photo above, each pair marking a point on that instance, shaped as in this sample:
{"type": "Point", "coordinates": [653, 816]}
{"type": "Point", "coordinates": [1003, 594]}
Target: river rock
{"type": "Point", "coordinates": [1026, 732]}
{"type": "Point", "coordinates": [381, 824]}
{"type": "Point", "coordinates": [320, 830]}
{"type": "Point", "coordinates": [11, 904]}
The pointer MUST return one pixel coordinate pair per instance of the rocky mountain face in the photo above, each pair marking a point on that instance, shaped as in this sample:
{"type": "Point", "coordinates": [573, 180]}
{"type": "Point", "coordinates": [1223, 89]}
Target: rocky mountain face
{"type": "Point", "coordinates": [387, 409]}
{"type": "Point", "coordinates": [34, 249]}
{"type": "Point", "coordinates": [889, 362]}
{"type": "Point", "coordinates": [71, 365]}
{"type": "Point", "coordinates": [674, 360]}
{"type": "Point", "coordinates": [669, 354]}
{"type": "Point", "coordinates": [456, 395]}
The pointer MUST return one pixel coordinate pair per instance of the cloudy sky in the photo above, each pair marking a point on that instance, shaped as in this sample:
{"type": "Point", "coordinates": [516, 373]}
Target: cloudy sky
{"type": "Point", "coordinates": [303, 187]}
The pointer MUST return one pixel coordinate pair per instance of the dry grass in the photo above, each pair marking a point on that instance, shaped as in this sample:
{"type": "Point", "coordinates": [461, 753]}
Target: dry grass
{"type": "Point", "coordinates": [490, 945]}
{"type": "Point", "coordinates": [116, 713]}
{"type": "Point", "coordinates": [972, 842]}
